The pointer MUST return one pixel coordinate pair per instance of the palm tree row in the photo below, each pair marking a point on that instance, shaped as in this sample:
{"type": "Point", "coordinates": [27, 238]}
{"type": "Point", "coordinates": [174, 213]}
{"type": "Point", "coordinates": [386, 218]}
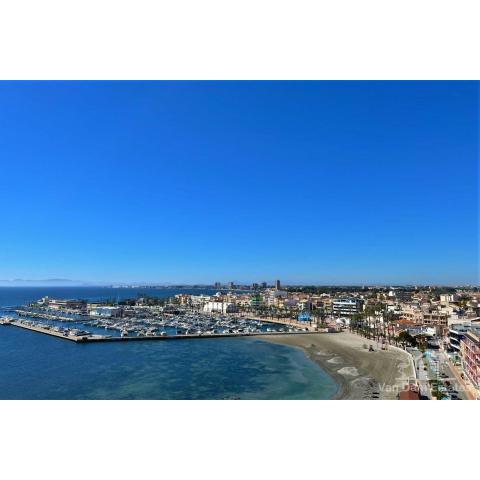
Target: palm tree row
{"type": "Point", "coordinates": [376, 323]}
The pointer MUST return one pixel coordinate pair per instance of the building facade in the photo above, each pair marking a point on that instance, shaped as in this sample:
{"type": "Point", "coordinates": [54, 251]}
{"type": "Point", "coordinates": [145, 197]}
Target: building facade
{"type": "Point", "coordinates": [61, 304]}
{"type": "Point", "coordinates": [219, 307]}
{"type": "Point", "coordinates": [456, 333]}
{"type": "Point", "coordinates": [346, 306]}
{"type": "Point", "coordinates": [470, 356]}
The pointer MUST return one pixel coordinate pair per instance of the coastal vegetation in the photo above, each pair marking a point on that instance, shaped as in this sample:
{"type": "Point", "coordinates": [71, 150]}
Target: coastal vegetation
{"type": "Point", "coordinates": [376, 323]}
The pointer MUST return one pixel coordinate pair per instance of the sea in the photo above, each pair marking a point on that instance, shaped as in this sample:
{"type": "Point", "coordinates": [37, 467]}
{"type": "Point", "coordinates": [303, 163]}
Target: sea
{"type": "Point", "coordinates": [36, 366]}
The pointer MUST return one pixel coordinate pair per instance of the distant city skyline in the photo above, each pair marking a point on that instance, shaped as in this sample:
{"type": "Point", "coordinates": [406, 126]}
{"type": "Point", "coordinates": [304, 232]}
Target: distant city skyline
{"type": "Point", "coordinates": [213, 284]}
{"type": "Point", "coordinates": [196, 182]}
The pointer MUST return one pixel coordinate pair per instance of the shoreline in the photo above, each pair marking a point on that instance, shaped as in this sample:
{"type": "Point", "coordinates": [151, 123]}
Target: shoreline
{"type": "Point", "coordinates": [359, 374]}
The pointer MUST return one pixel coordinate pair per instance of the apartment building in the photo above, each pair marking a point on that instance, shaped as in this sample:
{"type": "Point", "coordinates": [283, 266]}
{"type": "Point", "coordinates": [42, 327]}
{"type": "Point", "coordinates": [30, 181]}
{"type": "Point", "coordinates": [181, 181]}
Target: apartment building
{"type": "Point", "coordinates": [470, 356]}
{"type": "Point", "coordinates": [346, 306]}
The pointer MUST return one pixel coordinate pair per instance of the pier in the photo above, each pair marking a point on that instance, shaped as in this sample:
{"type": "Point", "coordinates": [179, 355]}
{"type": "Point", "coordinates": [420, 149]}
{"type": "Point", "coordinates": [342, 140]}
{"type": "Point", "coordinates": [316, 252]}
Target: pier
{"type": "Point", "coordinates": [91, 338]}
{"type": "Point", "coordinates": [52, 333]}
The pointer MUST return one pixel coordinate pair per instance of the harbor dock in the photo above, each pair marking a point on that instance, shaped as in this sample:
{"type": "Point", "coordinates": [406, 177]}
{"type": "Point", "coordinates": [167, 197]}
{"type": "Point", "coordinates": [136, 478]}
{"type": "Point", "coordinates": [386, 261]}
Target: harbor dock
{"type": "Point", "coordinates": [106, 338]}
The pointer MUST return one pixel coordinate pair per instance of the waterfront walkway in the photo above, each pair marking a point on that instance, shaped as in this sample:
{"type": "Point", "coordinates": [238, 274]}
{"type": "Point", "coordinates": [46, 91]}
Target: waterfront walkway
{"type": "Point", "coordinates": [310, 326]}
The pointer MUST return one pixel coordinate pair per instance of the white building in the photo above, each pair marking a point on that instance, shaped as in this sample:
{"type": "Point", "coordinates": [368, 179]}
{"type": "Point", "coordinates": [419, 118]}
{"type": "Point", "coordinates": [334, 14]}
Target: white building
{"type": "Point", "coordinates": [105, 311]}
{"type": "Point", "coordinates": [445, 298]}
{"type": "Point", "coordinates": [346, 306]}
{"type": "Point", "coordinates": [273, 296]}
{"type": "Point", "coordinates": [199, 300]}
{"type": "Point", "coordinates": [220, 307]}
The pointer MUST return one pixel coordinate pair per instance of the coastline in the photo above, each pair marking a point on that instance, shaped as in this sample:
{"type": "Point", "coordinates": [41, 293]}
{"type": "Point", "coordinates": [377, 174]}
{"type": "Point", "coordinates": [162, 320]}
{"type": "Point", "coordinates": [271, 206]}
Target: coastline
{"type": "Point", "coordinates": [359, 373]}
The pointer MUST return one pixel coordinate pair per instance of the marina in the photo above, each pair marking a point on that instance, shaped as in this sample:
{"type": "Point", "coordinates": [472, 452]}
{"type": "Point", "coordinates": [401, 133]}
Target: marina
{"type": "Point", "coordinates": [79, 336]}
{"type": "Point", "coordinates": [141, 325]}
{"type": "Point", "coordinates": [94, 360]}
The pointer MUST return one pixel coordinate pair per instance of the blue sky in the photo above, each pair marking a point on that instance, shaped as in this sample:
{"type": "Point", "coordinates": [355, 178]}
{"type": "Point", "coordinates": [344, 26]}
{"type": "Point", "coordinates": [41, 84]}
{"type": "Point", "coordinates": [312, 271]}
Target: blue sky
{"type": "Point", "coordinates": [309, 182]}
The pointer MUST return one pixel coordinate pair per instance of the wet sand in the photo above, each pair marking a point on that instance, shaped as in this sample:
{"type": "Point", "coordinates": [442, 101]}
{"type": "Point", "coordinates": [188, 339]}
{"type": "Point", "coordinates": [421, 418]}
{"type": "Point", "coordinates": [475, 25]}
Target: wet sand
{"type": "Point", "coordinates": [360, 374]}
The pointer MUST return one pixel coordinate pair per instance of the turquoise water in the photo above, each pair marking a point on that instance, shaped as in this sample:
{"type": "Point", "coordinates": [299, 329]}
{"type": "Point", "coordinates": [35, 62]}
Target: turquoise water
{"type": "Point", "coordinates": [35, 366]}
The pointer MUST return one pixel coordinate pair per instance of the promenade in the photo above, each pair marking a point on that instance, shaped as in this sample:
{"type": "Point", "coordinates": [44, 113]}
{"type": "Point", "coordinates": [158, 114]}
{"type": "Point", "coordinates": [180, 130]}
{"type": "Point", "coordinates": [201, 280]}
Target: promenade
{"type": "Point", "coordinates": [309, 326]}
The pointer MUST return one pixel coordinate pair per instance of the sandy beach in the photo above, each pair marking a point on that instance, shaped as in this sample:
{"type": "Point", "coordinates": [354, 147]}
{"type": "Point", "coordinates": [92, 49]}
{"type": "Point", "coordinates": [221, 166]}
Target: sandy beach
{"type": "Point", "coordinates": [361, 374]}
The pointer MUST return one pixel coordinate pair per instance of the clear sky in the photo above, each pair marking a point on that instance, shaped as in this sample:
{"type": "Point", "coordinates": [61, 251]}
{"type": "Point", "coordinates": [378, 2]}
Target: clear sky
{"type": "Point", "coordinates": [309, 182]}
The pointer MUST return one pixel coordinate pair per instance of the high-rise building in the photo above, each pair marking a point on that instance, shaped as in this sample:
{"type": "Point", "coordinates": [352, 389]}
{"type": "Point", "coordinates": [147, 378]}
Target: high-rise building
{"type": "Point", "coordinates": [217, 285]}
{"type": "Point", "coordinates": [254, 286]}
{"type": "Point", "coordinates": [232, 286]}
{"type": "Point", "coordinates": [264, 284]}
{"type": "Point", "coordinates": [277, 284]}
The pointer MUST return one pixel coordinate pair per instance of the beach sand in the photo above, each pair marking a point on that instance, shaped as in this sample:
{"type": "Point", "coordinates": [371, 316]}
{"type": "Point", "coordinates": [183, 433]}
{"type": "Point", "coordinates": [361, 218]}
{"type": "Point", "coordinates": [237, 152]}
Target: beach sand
{"type": "Point", "coordinates": [361, 374]}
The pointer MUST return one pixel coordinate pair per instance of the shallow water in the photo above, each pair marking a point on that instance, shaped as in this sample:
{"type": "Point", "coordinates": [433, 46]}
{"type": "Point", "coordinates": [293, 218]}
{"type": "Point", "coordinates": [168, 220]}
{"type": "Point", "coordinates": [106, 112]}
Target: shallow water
{"type": "Point", "coordinates": [36, 366]}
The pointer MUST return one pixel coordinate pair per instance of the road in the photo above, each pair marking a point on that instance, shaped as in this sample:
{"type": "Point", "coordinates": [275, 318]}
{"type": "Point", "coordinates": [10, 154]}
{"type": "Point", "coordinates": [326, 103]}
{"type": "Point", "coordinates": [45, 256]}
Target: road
{"type": "Point", "coordinates": [436, 367]}
{"type": "Point", "coordinates": [450, 376]}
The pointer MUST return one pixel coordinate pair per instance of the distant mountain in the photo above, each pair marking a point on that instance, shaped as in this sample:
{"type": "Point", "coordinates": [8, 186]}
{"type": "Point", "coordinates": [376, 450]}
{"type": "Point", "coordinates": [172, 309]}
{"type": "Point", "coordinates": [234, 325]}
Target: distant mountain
{"type": "Point", "coordinates": [66, 282]}
{"type": "Point", "coordinates": [49, 282]}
